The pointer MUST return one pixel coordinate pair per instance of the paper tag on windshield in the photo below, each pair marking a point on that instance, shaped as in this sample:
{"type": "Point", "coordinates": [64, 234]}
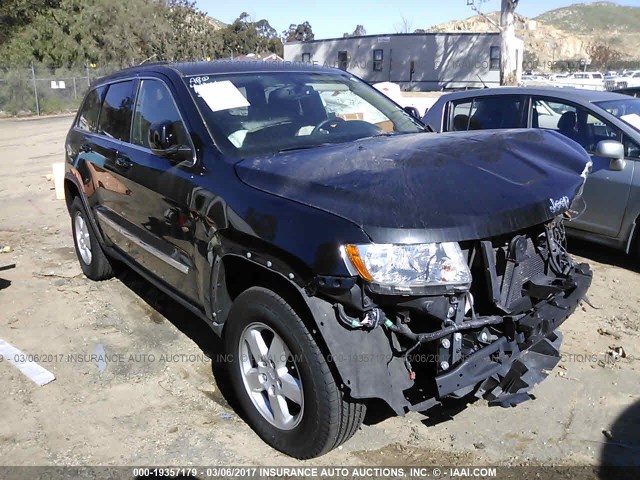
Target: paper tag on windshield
{"type": "Point", "coordinates": [221, 95]}
{"type": "Point", "coordinates": [632, 119]}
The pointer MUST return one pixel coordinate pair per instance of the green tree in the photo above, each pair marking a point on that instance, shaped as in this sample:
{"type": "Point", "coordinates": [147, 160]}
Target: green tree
{"type": "Point", "coordinates": [298, 33]}
{"type": "Point", "coordinates": [358, 32]}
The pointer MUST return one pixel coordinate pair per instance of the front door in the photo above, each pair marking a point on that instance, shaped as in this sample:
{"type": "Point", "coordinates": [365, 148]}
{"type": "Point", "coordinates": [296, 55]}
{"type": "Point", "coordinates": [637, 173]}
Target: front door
{"type": "Point", "coordinates": [162, 186]}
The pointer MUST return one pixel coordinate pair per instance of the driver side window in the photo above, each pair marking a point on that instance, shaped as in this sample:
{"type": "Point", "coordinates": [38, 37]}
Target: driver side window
{"type": "Point", "coordinates": [574, 122]}
{"type": "Point", "coordinates": [155, 104]}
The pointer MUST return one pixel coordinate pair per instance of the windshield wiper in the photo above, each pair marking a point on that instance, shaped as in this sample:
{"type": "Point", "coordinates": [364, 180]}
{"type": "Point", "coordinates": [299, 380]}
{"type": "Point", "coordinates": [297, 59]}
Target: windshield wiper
{"type": "Point", "coordinates": [304, 147]}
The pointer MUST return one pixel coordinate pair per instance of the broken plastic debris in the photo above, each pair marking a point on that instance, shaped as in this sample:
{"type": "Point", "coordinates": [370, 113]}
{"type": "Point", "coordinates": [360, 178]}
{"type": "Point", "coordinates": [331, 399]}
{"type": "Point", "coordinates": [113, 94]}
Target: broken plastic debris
{"type": "Point", "coordinates": [617, 352]}
{"type": "Point", "coordinates": [606, 332]}
{"type": "Point", "coordinates": [5, 249]}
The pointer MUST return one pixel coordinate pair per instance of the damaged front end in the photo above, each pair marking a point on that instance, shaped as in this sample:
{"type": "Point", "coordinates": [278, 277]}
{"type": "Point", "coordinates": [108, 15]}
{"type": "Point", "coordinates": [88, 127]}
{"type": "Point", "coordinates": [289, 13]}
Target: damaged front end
{"type": "Point", "coordinates": [487, 327]}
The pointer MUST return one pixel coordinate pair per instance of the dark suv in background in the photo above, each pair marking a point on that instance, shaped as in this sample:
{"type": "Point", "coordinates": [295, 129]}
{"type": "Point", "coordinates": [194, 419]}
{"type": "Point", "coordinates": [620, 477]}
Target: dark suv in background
{"type": "Point", "coordinates": [343, 253]}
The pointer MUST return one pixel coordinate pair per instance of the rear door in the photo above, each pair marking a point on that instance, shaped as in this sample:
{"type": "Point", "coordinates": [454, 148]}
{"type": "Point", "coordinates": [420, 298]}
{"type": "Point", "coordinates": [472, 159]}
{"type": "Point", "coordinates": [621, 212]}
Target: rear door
{"type": "Point", "coordinates": [108, 152]}
{"type": "Point", "coordinates": [606, 192]}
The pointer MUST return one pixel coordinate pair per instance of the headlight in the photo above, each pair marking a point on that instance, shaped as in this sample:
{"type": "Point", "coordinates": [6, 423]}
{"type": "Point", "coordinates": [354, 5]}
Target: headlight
{"type": "Point", "coordinates": [419, 265]}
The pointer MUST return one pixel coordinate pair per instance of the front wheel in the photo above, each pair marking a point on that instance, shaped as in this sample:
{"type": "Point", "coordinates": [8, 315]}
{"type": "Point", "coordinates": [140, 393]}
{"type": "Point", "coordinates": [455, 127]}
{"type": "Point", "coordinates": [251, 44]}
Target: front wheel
{"type": "Point", "coordinates": [282, 380]}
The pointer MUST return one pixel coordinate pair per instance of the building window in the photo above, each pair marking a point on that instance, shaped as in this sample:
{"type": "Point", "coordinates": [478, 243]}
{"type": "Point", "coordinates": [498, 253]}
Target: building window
{"type": "Point", "coordinates": [343, 60]}
{"type": "Point", "coordinates": [377, 60]}
{"type": "Point", "coordinates": [306, 58]}
{"type": "Point", "coordinates": [495, 58]}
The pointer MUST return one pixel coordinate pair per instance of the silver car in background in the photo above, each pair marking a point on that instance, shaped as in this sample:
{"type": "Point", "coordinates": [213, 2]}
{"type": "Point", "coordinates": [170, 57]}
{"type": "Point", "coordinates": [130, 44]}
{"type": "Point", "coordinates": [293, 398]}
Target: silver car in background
{"type": "Point", "coordinates": [605, 124]}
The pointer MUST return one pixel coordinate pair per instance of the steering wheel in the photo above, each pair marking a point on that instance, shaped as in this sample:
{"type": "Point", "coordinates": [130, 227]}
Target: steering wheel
{"type": "Point", "coordinates": [327, 123]}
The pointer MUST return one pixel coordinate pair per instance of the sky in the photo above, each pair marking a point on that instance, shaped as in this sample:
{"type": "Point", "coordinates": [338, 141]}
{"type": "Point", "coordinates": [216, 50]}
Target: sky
{"type": "Point", "coordinates": [332, 18]}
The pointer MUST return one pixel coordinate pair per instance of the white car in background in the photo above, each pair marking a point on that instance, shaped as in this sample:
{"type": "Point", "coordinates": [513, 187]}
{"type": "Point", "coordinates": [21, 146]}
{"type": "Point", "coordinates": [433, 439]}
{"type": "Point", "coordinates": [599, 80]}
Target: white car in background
{"type": "Point", "coordinates": [584, 80]}
{"type": "Point", "coordinates": [629, 79]}
{"type": "Point", "coordinates": [407, 100]}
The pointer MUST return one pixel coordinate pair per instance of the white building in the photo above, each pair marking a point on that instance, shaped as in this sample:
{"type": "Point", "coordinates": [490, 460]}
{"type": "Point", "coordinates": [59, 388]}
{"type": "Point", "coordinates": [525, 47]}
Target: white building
{"type": "Point", "coordinates": [415, 61]}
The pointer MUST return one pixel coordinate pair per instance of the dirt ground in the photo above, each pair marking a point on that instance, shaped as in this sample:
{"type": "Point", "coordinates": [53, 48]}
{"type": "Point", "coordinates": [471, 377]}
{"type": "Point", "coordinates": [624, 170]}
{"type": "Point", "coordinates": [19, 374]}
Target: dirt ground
{"type": "Point", "coordinates": [157, 401]}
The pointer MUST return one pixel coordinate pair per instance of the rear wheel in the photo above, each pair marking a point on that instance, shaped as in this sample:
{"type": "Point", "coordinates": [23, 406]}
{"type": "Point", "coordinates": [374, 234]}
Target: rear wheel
{"type": "Point", "coordinates": [282, 380]}
{"type": "Point", "coordinates": [93, 261]}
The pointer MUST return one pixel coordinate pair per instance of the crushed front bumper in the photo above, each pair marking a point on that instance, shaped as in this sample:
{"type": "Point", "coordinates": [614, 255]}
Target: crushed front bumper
{"type": "Point", "coordinates": [371, 363]}
{"type": "Point", "coordinates": [508, 369]}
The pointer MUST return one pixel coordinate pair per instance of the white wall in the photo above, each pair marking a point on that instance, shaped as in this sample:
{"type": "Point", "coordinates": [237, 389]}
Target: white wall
{"type": "Point", "coordinates": [441, 61]}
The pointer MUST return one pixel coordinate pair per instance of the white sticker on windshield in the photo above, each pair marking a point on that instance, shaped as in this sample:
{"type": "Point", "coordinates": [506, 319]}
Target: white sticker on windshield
{"type": "Point", "coordinates": [632, 119]}
{"type": "Point", "coordinates": [221, 95]}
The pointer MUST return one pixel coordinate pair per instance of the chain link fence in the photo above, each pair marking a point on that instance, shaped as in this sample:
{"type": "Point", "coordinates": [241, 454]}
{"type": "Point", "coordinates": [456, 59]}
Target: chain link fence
{"type": "Point", "coordinates": [38, 90]}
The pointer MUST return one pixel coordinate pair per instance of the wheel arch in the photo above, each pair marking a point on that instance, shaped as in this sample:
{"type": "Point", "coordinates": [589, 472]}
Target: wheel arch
{"type": "Point", "coordinates": [383, 379]}
{"type": "Point", "coordinates": [233, 274]}
{"type": "Point", "coordinates": [72, 189]}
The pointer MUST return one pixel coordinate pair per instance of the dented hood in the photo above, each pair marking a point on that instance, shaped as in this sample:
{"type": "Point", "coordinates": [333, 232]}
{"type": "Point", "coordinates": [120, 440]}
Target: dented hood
{"type": "Point", "coordinates": [431, 187]}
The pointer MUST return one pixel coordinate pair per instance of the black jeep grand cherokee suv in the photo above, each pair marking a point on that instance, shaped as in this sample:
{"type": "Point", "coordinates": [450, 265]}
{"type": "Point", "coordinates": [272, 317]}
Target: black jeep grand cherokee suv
{"type": "Point", "coordinates": [342, 252]}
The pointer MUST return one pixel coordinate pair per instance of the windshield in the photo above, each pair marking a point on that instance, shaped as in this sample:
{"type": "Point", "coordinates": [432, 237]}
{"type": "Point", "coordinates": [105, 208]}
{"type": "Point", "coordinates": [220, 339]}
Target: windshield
{"type": "Point", "coordinates": [250, 114]}
{"type": "Point", "coordinates": [627, 110]}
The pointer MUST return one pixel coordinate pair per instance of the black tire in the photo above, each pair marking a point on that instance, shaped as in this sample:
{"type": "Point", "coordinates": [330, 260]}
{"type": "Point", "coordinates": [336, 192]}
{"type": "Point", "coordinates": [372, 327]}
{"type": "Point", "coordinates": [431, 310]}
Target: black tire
{"type": "Point", "coordinates": [327, 418]}
{"type": "Point", "coordinates": [98, 266]}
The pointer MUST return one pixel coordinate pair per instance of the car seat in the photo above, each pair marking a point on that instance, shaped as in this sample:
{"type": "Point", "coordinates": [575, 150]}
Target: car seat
{"type": "Point", "coordinates": [567, 125]}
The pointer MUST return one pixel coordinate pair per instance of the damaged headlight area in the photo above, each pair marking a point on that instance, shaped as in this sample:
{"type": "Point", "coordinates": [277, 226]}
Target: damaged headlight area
{"type": "Point", "coordinates": [394, 269]}
{"type": "Point", "coordinates": [477, 317]}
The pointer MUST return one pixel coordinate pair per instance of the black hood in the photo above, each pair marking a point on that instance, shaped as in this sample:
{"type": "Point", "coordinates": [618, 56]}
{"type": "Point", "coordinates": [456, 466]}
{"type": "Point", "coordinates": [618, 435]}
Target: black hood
{"type": "Point", "coordinates": [431, 187]}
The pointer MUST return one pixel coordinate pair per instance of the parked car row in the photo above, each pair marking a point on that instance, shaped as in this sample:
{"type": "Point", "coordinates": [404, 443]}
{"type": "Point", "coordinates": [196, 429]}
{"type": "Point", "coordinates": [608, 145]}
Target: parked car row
{"type": "Point", "coordinates": [585, 80]}
{"type": "Point", "coordinates": [342, 252]}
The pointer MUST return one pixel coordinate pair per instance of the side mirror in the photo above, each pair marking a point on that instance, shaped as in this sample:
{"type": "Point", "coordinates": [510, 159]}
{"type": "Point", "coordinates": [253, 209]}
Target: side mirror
{"type": "Point", "coordinates": [163, 142]}
{"type": "Point", "coordinates": [162, 139]}
{"type": "Point", "coordinates": [613, 150]}
{"type": "Point", "coordinates": [413, 111]}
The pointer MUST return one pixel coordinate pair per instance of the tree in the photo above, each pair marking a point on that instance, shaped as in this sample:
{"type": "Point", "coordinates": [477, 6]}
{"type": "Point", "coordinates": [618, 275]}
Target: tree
{"type": "Point", "coordinates": [358, 32]}
{"type": "Point", "coordinates": [298, 33]}
{"type": "Point", "coordinates": [603, 57]}
{"type": "Point", "coordinates": [244, 36]}
{"type": "Point", "coordinates": [16, 14]}
{"type": "Point", "coordinates": [404, 26]}
{"type": "Point", "coordinates": [507, 28]}
{"type": "Point", "coordinates": [268, 38]}
{"type": "Point", "coordinates": [72, 32]}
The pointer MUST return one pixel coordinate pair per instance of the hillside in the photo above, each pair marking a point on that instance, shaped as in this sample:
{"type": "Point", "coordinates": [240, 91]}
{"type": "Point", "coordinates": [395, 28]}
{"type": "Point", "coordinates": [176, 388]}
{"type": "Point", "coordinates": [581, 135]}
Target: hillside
{"type": "Point", "coordinates": [593, 17]}
{"type": "Point", "coordinates": [568, 33]}
{"type": "Point", "coordinates": [215, 23]}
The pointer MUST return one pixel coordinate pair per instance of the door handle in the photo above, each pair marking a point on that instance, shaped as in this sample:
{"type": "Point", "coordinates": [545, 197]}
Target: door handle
{"type": "Point", "coordinates": [85, 147]}
{"type": "Point", "coordinates": [123, 162]}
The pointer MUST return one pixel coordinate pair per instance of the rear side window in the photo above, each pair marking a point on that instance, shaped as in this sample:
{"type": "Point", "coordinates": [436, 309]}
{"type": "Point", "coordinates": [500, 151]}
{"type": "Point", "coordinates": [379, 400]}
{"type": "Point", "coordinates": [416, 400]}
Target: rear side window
{"type": "Point", "coordinates": [115, 116]}
{"type": "Point", "coordinates": [483, 113]}
{"type": "Point", "coordinates": [88, 119]}
{"type": "Point", "coordinates": [461, 112]}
